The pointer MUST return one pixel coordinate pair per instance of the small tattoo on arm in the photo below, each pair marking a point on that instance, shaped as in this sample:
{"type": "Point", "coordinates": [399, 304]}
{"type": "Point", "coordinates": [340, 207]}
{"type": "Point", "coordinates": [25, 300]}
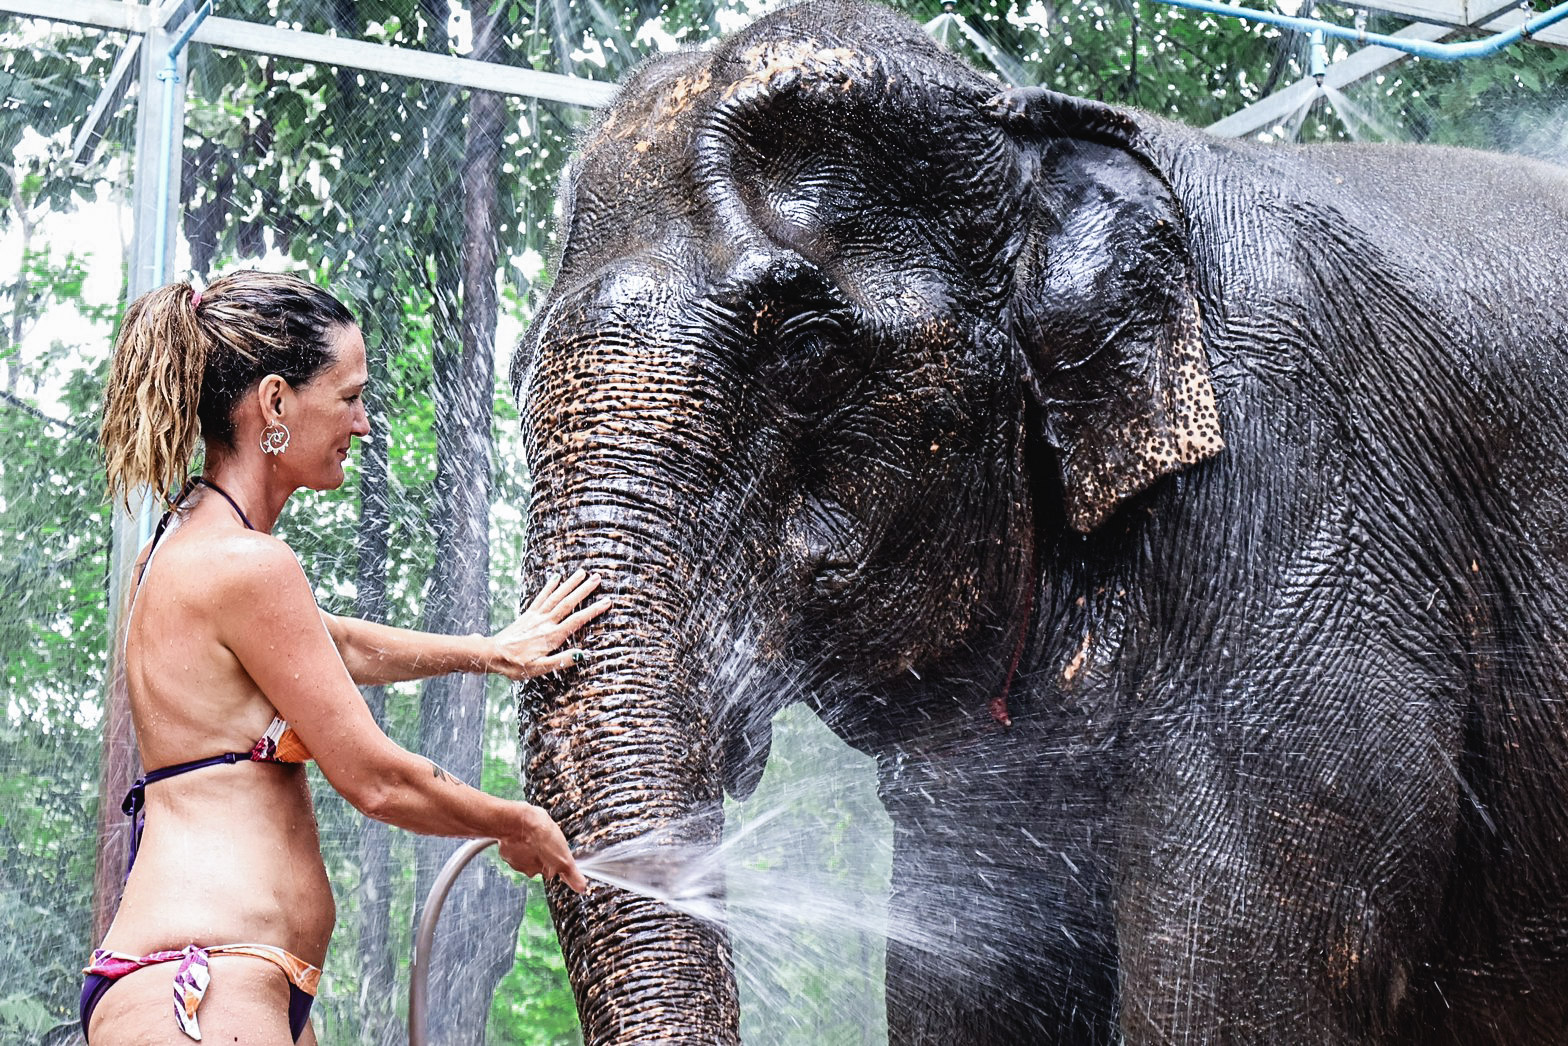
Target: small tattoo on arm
{"type": "Point", "coordinates": [440, 774]}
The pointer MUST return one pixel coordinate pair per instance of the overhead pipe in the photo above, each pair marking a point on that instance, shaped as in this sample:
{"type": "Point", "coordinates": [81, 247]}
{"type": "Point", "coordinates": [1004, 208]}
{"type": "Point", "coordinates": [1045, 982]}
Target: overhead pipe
{"type": "Point", "coordinates": [1420, 48]}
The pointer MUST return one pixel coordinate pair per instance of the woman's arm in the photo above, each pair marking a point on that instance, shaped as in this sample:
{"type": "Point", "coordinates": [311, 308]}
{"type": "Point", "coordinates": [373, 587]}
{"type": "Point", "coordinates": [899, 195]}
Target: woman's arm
{"type": "Point", "coordinates": [377, 654]}
{"type": "Point", "coordinates": [268, 617]}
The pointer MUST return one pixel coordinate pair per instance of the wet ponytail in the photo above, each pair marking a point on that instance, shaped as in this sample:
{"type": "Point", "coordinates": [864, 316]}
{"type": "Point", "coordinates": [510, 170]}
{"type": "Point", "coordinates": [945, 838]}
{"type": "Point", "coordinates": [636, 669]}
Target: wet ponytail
{"type": "Point", "coordinates": [150, 424]}
{"type": "Point", "coordinates": [183, 361]}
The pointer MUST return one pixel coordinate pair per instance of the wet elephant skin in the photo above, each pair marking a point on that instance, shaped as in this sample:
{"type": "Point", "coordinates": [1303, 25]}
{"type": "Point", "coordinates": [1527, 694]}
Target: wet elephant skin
{"type": "Point", "coordinates": [1181, 523]}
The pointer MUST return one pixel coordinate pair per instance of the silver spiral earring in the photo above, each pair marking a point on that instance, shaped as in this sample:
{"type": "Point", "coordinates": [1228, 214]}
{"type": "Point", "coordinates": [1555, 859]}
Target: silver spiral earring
{"type": "Point", "coordinates": [275, 438]}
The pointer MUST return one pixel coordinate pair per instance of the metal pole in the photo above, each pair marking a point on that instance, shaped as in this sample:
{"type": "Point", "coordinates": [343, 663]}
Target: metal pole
{"type": "Point", "coordinates": [158, 133]}
{"type": "Point", "coordinates": [424, 938]}
{"type": "Point", "coordinates": [172, 148]}
{"type": "Point", "coordinates": [261, 38]}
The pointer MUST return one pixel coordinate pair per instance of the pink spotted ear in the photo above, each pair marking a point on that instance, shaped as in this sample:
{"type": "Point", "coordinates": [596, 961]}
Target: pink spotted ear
{"type": "Point", "coordinates": [1107, 315]}
{"type": "Point", "coordinates": [1119, 432]}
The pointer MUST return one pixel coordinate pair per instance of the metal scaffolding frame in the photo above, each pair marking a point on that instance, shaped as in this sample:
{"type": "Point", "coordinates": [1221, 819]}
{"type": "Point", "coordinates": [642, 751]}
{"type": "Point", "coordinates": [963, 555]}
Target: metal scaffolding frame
{"type": "Point", "coordinates": [233, 34]}
{"type": "Point", "coordinates": [153, 26]}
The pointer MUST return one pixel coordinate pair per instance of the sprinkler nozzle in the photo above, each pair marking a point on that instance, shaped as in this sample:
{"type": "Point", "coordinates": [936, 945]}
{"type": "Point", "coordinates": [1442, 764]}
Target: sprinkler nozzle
{"type": "Point", "coordinates": [1318, 56]}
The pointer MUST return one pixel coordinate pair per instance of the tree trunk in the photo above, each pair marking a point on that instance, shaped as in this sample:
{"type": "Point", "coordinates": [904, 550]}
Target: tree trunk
{"type": "Point", "coordinates": [477, 941]}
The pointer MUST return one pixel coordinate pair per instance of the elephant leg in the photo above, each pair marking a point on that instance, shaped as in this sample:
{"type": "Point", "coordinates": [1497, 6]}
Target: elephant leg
{"type": "Point", "coordinates": [1291, 903]}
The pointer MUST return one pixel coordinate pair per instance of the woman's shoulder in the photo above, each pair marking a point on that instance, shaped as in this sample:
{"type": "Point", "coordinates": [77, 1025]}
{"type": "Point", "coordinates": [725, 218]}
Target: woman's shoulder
{"type": "Point", "coordinates": [233, 562]}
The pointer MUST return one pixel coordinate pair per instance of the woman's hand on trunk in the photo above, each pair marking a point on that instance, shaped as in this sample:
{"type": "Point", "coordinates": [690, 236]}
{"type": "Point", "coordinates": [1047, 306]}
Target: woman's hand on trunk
{"type": "Point", "coordinates": [537, 847]}
{"type": "Point", "coordinates": [530, 646]}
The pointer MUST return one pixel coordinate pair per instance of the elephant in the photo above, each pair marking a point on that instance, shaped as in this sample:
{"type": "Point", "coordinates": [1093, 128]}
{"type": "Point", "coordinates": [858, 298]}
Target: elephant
{"type": "Point", "coordinates": [1180, 523]}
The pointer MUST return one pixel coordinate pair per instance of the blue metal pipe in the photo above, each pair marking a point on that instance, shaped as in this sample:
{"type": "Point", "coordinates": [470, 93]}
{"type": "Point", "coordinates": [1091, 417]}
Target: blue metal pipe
{"type": "Point", "coordinates": [190, 29]}
{"type": "Point", "coordinates": [1420, 48]}
{"type": "Point", "coordinates": [170, 75]}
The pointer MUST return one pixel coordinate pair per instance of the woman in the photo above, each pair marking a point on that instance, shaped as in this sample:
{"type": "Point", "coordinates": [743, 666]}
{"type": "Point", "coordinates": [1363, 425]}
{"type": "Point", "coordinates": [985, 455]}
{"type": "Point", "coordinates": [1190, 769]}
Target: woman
{"type": "Point", "coordinates": [236, 677]}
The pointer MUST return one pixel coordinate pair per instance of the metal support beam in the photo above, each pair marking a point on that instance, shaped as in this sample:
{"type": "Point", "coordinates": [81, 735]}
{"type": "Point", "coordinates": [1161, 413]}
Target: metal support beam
{"type": "Point", "coordinates": [172, 76]}
{"type": "Point", "coordinates": [85, 146]}
{"type": "Point", "coordinates": [169, 10]}
{"type": "Point", "coordinates": [160, 130]}
{"type": "Point", "coordinates": [331, 50]}
{"type": "Point", "coordinates": [104, 14]}
{"type": "Point", "coordinates": [1271, 110]}
{"type": "Point", "coordinates": [403, 61]}
{"type": "Point", "coordinates": [1434, 12]}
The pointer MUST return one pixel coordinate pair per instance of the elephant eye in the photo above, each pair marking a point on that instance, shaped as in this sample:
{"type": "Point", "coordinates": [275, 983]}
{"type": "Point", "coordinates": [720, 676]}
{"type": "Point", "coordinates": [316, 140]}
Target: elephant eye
{"type": "Point", "coordinates": [815, 360]}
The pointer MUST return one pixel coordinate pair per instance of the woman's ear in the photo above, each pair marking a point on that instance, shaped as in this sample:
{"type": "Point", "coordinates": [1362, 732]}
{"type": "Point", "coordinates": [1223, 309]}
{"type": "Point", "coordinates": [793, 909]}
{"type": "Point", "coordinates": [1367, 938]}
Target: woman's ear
{"type": "Point", "coordinates": [1106, 311]}
{"type": "Point", "coordinates": [271, 395]}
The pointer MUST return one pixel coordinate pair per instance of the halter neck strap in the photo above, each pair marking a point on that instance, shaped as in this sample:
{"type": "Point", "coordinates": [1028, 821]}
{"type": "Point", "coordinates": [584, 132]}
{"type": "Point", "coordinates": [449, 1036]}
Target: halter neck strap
{"type": "Point", "coordinates": [204, 481]}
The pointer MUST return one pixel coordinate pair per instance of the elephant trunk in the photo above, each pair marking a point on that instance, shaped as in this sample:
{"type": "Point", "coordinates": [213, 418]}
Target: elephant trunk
{"type": "Point", "coordinates": [623, 748]}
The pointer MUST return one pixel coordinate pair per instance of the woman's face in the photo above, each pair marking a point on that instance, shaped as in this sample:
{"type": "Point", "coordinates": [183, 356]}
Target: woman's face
{"type": "Point", "coordinates": [327, 414]}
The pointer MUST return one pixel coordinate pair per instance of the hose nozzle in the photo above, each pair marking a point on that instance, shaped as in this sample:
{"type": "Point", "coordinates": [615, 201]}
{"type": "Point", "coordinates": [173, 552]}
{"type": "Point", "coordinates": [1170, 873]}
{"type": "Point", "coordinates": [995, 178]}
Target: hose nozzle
{"type": "Point", "coordinates": [1319, 57]}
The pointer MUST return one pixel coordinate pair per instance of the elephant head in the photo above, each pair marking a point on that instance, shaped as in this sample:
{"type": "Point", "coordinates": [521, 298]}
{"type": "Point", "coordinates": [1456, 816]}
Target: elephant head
{"type": "Point", "coordinates": [835, 343]}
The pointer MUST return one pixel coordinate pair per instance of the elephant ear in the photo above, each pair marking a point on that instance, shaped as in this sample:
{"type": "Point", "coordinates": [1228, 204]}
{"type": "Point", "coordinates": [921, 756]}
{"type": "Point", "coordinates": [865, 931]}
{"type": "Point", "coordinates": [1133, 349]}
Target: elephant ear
{"type": "Point", "coordinates": [1106, 310]}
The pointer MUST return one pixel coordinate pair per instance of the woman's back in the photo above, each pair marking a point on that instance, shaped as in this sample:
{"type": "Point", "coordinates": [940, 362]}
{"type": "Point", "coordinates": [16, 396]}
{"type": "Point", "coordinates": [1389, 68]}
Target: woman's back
{"type": "Point", "coordinates": [213, 833]}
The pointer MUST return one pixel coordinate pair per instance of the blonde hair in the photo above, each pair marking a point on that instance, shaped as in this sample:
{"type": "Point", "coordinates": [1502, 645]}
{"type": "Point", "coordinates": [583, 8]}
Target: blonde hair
{"type": "Point", "coordinates": [182, 362]}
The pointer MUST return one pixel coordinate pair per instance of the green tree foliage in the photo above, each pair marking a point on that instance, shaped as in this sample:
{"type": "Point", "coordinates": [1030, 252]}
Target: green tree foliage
{"type": "Point", "coordinates": [54, 557]}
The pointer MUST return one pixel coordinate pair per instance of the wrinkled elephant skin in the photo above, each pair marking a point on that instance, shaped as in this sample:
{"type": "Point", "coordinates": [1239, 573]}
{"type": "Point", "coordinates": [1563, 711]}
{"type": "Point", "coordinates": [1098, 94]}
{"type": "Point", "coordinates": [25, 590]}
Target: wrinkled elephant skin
{"type": "Point", "coordinates": [1181, 523]}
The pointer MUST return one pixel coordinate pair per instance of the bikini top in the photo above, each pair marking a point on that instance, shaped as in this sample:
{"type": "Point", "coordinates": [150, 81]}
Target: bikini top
{"type": "Point", "coordinates": [279, 744]}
